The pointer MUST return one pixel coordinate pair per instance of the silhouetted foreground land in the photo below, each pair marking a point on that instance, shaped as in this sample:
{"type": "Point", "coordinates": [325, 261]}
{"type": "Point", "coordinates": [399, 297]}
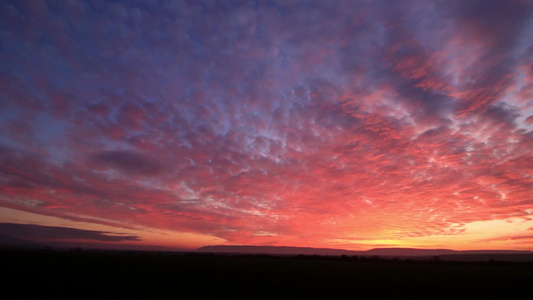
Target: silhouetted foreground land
{"type": "Point", "coordinates": [151, 275]}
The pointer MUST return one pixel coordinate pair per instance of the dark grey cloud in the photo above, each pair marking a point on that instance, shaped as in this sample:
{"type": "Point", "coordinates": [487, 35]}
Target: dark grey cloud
{"type": "Point", "coordinates": [49, 233]}
{"type": "Point", "coordinates": [501, 114]}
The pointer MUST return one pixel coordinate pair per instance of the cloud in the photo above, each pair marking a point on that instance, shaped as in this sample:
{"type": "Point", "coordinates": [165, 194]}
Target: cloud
{"type": "Point", "coordinates": [128, 162]}
{"type": "Point", "coordinates": [33, 232]}
{"type": "Point", "coordinates": [298, 119]}
{"type": "Point", "coordinates": [521, 238]}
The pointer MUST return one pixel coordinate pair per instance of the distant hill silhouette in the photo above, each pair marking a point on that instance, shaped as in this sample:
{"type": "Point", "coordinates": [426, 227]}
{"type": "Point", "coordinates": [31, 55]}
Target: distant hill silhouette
{"type": "Point", "coordinates": [279, 250]}
{"type": "Point", "coordinates": [445, 254]}
{"type": "Point", "coordinates": [407, 252]}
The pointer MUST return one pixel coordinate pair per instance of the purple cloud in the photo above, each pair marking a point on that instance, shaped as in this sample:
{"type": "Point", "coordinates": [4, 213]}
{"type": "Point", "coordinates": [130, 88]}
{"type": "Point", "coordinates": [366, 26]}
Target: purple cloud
{"type": "Point", "coordinates": [50, 233]}
{"type": "Point", "coordinates": [128, 162]}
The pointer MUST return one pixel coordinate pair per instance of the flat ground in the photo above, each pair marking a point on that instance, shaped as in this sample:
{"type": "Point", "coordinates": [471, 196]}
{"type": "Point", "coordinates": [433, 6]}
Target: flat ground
{"type": "Point", "coordinates": [102, 275]}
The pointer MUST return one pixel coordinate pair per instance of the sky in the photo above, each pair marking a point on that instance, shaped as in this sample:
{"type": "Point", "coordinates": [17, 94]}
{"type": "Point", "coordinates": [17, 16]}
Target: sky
{"type": "Point", "coordinates": [329, 124]}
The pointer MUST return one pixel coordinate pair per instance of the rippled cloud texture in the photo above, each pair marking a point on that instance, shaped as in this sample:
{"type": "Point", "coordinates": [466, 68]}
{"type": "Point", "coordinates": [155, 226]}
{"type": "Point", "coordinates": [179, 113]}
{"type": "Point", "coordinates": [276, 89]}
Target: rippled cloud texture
{"type": "Point", "coordinates": [346, 124]}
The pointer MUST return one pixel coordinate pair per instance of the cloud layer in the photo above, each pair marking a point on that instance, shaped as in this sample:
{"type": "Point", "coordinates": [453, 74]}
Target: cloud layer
{"type": "Point", "coordinates": [270, 122]}
{"type": "Point", "coordinates": [52, 233]}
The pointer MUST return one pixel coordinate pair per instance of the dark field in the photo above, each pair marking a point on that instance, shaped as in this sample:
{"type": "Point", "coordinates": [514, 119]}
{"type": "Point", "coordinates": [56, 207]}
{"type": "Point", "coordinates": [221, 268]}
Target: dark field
{"type": "Point", "coordinates": [101, 275]}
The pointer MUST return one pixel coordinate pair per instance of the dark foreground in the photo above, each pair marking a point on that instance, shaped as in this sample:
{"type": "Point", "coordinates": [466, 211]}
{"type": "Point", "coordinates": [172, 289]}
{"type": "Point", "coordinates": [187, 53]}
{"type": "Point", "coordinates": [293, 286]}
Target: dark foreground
{"type": "Point", "coordinates": [143, 275]}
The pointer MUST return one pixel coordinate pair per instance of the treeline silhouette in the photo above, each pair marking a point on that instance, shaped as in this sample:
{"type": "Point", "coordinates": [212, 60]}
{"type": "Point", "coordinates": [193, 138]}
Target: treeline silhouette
{"type": "Point", "coordinates": [88, 274]}
{"type": "Point", "coordinates": [435, 259]}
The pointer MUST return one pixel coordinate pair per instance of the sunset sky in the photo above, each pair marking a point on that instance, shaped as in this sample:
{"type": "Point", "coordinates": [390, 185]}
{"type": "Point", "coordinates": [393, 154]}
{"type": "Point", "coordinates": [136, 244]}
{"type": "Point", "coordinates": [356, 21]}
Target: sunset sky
{"type": "Point", "coordinates": [331, 124]}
